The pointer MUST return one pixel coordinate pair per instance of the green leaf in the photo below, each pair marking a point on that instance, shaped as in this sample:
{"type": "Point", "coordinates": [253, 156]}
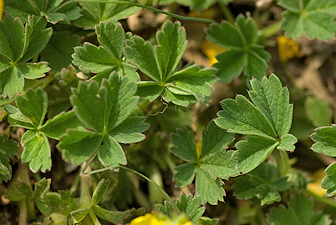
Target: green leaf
{"type": "Point", "coordinates": [78, 145]}
{"type": "Point", "coordinates": [186, 204]}
{"type": "Point", "coordinates": [312, 18]}
{"type": "Point", "coordinates": [79, 214]}
{"type": "Point", "coordinates": [59, 49]}
{"type": "Point", "coordinates": [8, 148]}
{"type": "Point", "coordinates": [18, 190]}
{"type": "Point", "coordinates": [110, 153]}
{"type": "Point", "coordinates": [99, 191]}
{"type": "Point", "coordinates": [204, 164]}
{"type": "Point", "coordinates": [300, 211]}
{"type": "Point", "coordinates": [243, 53]}
{"type": "Point", "coordinates": [325, 142]}
{"type": "Point", "coordinates": [104, 109]}
{"type": "Point", "coordinates": [93, 13]}
{"type": "Point", "coordinates": [273, 101]}
{"type": "Point", "coordinates": [58, 125]}
{"type": "Point", "coordinates": [266, 120]}
{"type": "Point", "coordinates": [160, 63]}
{"type": "Point", "coordinates": [262, 183]}
{"type": "Point", "coordinates": [92, 58]}
{"type": "Point", "coordinates": [19, 44]}
{"type": "Point", "coordinates": [129, 131]}
{"type": "Point", "coordinates": [317, 111]}
{"type": "Point", "coordinates": [328, 182]}
{"type": "Point", "coordinates": [36, 151]}
{"type": "Point", "coordinates": [110, 216]}
{"type": "Point", "coordinates": [107, 56]}
{"type": "Point", "coordinates": [42, 202]}
{"type": "Point", "coordinates": [52, 10]}
{"type": "Point", "coordinates": [33, 104]}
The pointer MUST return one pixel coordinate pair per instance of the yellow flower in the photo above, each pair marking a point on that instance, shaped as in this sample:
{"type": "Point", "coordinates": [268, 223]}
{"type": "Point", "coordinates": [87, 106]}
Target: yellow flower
{"type": "Point", "coordinates": [288, 48]}
{"type": "Point", "coordinates": [161, 219]}
{"type": "Point", "coordinates": [1, 9]}
{"type": "Point", "coordinates": [211, 50]}
{"type": "Point", "coordinates": [148, 219]}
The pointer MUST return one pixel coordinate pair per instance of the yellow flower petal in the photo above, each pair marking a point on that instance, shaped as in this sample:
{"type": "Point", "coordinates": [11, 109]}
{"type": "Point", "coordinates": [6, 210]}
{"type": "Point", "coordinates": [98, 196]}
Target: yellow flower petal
{"type": "Point", "coordinates": [288, 48]}
{"type": "Point", "coordinates": [148, 219]}
{"type": "Point", "coordinates": [211, 50]}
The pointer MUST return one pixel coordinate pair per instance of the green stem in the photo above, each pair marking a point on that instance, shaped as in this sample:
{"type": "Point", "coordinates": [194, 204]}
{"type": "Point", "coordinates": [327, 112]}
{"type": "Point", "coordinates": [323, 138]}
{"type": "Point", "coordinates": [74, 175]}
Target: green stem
{"type": "Point", "coordinates": [282, 161]}
{"type": "Point", "coordinates": [85, 197]}
{"type": "Point", "coordinates": [144, 177]}
{"type": "Point", "coordinates": [153, 183]}
{"type": "Point", "coordinates": [23, 212]}
{"type": "Point", "coordinates": [227, 13]}
{"type": "Point", "coordinates": [271, 30]}
{"type": "Point", "coordinates": [151, 8]}
{"type": "Point", "coordinates": [324, 200]}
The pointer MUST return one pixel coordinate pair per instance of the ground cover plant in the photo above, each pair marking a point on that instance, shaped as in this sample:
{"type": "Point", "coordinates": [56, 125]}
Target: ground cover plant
{"type": "Point", "coordinates": [167, 112]}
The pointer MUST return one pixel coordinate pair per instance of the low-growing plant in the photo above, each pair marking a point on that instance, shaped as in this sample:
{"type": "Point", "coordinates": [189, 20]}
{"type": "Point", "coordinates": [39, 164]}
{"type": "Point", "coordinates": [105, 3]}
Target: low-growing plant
{"type": "Point", "coordinates": [106, 123]}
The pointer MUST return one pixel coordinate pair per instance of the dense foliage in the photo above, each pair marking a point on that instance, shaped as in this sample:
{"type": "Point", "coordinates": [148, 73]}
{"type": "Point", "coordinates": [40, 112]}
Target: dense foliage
{"type": "Point", "coordinates": [109, 108]}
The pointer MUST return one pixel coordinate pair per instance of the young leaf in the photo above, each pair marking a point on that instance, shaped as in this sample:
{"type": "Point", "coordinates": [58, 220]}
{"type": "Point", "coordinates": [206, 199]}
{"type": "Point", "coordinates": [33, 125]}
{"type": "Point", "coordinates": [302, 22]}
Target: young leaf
{"type": "Point", "coordinates": [54, 11]}
{"type": "Point", "coordinates": [104, 109]}
{"type": "Point", "coordinates": [7, 149]}
{"type": "Point", "coordinates": [204, 164]}
{"type": "Point", "coordinates": [243, 54]}
{"type": "Point", "coordinates": [40, 197]}
{"type": "Point", "coordinates": [262, 183]}
{"type": "Point", "coordinates": [186, 204]}
{"type": "Point", "coordinates": [159, 63]}
{"type": "Point", "coordinates": [328, 182]}
{"type": "Point", "coordinates": [266, 120]}
{"type": "Point", "coordinates": [312, 18]}
{"type": "Point", "coordinates": [18, 44]}
{"type": "Point", "coordinates": [299, 211]}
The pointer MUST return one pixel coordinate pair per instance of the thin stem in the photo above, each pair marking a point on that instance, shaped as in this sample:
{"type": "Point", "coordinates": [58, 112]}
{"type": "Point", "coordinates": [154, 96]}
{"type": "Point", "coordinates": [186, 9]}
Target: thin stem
{"type": "Point", "coordinates": [88, 162]}
{"type": "Point", "coordinates": [144, 177]}
{"type": "Point", "coordinates": [153, 183]}
{"type": "Point", "coordinates": [324, 200]}
{"type": "Point", "coordinates": [153, 9]}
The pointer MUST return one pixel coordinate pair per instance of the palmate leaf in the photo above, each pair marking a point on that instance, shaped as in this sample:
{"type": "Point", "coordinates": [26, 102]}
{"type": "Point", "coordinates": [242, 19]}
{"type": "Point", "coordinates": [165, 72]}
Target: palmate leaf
{"type": "Point", "coordinates": [30, 113]}
{"type": "Point", "coordinates": [262, 183]}
{"type": "Point", "coordinates": [243, 54]}
{"type": "Point", "coordinates": [206, 165]}
{"type": "Point", "coordinates": [105, 112]}
{"type": "Point", "coordinates": [107, 57]}
{"type": "Point", "coordinates": [324, 138]}
{"type": "Point", "coordinates": [300, 211]}
{"type": "Point", "coordinates": [266, 120]}
{"type": "Point", "coordinates": [160, 62]}
{"type": "Point", "coordinates": [18, 44]}
{"type": "Point", "coordinates": [94, 13]}
{"type": "Point", "coordinates": [310, 17]}
{"type": "Point", "coordinates": [54, 11]}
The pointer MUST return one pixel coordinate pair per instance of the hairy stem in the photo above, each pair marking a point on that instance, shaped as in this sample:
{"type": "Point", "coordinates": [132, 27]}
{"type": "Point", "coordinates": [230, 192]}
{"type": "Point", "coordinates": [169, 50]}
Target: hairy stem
{"type": "Point", "coordinates": [282, 161]}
